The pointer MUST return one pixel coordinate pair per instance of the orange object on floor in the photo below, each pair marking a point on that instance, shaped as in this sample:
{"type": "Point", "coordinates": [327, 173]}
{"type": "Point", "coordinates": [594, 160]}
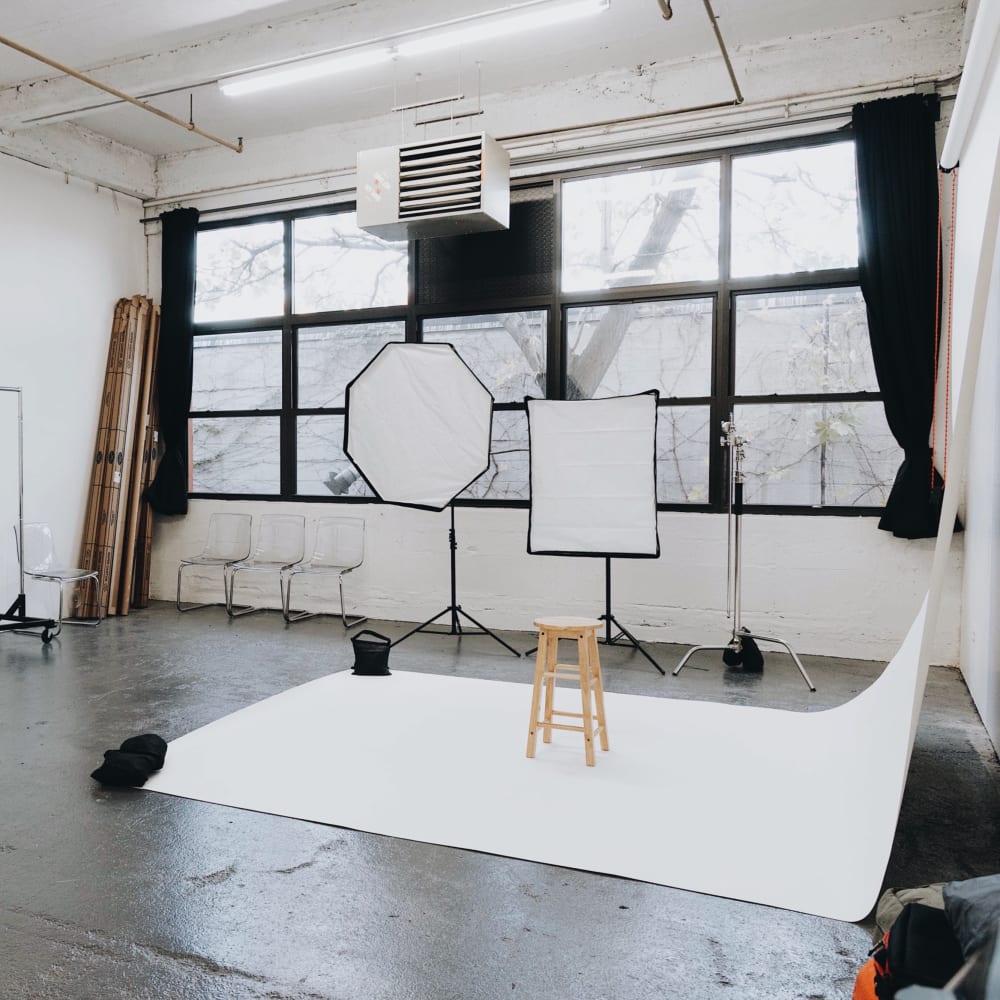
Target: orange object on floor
{"type": "Point", "coordinates": [864, 985]}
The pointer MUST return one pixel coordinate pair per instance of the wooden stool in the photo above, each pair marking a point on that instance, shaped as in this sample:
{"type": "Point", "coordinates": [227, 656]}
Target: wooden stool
{"type": "Point", "coordinates": [587, 671]}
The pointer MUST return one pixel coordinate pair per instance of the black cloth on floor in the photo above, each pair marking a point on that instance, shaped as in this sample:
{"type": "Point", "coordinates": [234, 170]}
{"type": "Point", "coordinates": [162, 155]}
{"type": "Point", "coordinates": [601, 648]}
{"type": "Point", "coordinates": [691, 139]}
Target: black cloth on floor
{"type": "Point", "coordinates": [131, 764]}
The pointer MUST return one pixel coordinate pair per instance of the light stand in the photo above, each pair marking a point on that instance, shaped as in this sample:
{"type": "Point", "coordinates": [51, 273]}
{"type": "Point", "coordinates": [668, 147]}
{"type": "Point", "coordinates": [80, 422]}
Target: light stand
{"type": "Point", "coordinates": [454, 609]}
{"type": "Point", "coordinates": [16, 618]}
{"type": "Point", "coordinates": [609, 619]}
{"type": "Point", "coordinates": [741, 647]}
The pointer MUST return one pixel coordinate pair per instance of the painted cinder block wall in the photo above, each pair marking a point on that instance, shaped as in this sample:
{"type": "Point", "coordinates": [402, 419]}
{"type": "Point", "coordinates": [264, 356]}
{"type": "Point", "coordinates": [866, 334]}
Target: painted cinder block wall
{"type": "Point", "coordinates": [828, 585]}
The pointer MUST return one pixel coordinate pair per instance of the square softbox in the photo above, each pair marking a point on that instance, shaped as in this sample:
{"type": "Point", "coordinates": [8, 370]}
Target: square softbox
{"type": "Point", "coordinates": [593, 477]}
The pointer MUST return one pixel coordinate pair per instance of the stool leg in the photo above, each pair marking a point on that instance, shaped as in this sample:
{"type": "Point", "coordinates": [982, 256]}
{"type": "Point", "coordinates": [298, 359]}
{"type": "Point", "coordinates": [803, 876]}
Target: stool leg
{"type": "Point", "coordinates": [551, 659]}
{"type": "Point", "coordinates": [595, 663]}
{"type": "Point", "coordinates": [588, 709]}
{"type": "Point", "coordinates": [536, 692]}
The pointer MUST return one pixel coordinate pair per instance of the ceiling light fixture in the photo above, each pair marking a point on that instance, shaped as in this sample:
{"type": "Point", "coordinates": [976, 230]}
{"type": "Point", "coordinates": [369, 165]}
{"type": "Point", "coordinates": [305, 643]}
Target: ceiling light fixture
{"type": "Point", "coordinates": [531, 16]}
{"type": "Point", "coordinates": [488, 28]}
{"type": "Point", "coordinates": [306, 69]}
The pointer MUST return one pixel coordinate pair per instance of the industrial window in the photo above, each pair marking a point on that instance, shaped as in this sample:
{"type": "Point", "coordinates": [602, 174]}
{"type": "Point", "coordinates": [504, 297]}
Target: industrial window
{"type": "Point", "coordinates": [728, 282]}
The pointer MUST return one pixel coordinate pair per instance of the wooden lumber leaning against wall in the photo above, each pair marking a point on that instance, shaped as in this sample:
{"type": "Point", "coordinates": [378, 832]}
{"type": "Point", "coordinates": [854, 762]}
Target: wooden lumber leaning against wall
{"type": "Point", "coordinates": [118, 523]}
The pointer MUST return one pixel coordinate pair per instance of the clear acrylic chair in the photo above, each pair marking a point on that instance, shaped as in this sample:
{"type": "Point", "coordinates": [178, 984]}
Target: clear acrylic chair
{"type": "Point", "coordinates": [36, 552]}
{"type": "Point", "coordinates": [280, 545]}
{"type": "Point", "coordinates": [339, 549]}
{"type": "Point", "coordinates": [228, 542]}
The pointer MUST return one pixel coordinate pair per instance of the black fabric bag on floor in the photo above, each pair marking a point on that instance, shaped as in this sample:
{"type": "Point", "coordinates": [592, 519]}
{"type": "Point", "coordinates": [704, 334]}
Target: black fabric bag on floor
{"type": "Point", "coordinates": [371, 656]}
{"type": "Point", "coordinates": [133, 762]}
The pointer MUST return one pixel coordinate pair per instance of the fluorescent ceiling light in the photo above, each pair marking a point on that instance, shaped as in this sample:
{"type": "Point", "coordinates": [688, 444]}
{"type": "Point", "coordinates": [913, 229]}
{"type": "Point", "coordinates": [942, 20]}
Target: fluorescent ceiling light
{"type": "Point", "coordinates": [501, 26]}
{"type": "Point", "coordinates": [484, 27]}
{"type": "Point", "coordinates": [306, 69]}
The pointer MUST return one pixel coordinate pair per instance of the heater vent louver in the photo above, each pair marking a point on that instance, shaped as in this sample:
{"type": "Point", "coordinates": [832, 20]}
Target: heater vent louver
{"type": "Point", "coordinates": [437, 187]}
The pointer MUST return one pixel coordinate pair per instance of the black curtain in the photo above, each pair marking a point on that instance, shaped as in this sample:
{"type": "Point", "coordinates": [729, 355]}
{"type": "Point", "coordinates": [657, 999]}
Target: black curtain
{"type": "Point", "coordinates": [898, 230]}
{"type": "Point", "coordinates": [168, 493]}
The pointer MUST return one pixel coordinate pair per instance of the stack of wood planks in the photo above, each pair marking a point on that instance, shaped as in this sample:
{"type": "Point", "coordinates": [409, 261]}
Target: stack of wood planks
{"type": "Point", "coordinates": [117, 533]}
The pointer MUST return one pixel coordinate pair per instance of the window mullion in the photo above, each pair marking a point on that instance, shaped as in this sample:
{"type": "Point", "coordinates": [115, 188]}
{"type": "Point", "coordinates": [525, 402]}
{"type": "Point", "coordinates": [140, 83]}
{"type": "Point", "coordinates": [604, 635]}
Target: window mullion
{"type": "Point", "coordinates": [288, 375]}
{"type": "Point", "coordinates": [722, 385]}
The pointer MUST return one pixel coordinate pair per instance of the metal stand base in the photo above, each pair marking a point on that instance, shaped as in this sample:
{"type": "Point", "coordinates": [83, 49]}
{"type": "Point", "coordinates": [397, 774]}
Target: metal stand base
{"type": "Point", "coordinates": [455, 610]}
{"type": "Point", "coordinates": [733, 645]}
{"type": "Point", "coordinates": [16, 620]}
{"type": "Point", "coordinates": [609, 619]}
{"type": "Point", "coordinates": [609, 640]}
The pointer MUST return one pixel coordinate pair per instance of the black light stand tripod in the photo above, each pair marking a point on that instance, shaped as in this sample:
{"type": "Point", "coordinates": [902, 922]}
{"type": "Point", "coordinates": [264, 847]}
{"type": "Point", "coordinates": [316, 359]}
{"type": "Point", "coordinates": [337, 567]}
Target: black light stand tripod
{"type": "Point", "coordinates": [454, 609]}
{"type": "Point", "coordinates": [609, 619]}
{"type": "Point", "coordinates": [742, 648]}
{"type": "Point", "coordinates": [16, 618]}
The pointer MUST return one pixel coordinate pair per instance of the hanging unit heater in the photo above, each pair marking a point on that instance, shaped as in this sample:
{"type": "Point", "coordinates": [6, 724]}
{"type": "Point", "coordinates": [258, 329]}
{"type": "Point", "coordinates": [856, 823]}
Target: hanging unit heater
{"type": "Point", "coordinates": [439, 187]}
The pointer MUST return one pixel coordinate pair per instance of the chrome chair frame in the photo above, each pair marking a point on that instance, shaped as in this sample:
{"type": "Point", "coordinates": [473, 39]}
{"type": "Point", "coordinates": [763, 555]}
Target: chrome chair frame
{"type": "Point", "coordinates": [318, 565]}
{"type": "Point", "coordinates": [204, 559]}
{"type": "Point", "coordinates": [260, 561]}
{"type": "Point", "coordinates": [48, 571]}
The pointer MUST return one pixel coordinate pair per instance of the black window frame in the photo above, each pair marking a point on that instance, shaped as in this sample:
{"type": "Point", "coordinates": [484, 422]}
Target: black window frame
{"type": "Point", "coordinates": [722, 290]}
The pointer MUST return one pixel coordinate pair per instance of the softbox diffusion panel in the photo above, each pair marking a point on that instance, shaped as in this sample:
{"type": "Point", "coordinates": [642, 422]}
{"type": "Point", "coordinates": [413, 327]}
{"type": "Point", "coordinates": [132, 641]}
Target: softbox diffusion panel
{"type": "Point", "coordinates": [418, 425]}
{"type": "Point", "coordinates": [593, 477]}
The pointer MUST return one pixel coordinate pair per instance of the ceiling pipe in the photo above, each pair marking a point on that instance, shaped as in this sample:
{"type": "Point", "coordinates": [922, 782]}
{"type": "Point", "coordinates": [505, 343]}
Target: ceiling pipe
{"type": "Point", "coordinates": [236, 147]}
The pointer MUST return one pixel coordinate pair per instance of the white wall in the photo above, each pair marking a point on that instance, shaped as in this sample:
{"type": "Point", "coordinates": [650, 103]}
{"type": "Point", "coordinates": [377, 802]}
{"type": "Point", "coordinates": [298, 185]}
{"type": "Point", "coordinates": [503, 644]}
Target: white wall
{"type": "Point", "coordinates": [980, 649]}
{"type": "Point", "coordinates": [828, 585]}
{"type": "Point", "coordinates": [68, 252]}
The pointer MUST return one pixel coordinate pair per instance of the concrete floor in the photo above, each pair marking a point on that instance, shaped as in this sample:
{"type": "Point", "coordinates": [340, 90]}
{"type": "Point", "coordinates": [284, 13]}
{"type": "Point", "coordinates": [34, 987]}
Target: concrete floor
{"type": "Point", "coordinates": [127, 894]}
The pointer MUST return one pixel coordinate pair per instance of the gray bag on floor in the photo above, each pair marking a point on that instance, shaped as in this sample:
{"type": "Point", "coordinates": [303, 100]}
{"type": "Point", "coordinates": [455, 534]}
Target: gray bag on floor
{"type": "Point", "coordinates": [973, 907]}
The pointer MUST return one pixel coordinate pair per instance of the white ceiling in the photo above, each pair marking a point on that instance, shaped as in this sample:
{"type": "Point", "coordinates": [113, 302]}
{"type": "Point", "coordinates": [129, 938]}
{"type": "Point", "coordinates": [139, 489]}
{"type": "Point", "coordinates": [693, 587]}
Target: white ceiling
{"type": "Point", "coordinates": [177, 50]}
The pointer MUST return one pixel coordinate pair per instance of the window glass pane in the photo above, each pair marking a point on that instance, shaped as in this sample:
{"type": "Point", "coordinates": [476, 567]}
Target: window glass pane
{"type": "Point", "coordinates": [643, 227]}
{"type": "Point", "coordinates": [818, 454]}
{"type": "Point", "coordinates": [338, 266]}
{"type": "Point", "coordinates": [507, 476]}
{"type": "Point", "coordinates": [330, 356]}
{"type": "Point", "coordinates": [503, 265]}
{"type": "Point", "coordinates": [506, 350]}
{"type": "Point", "coordinates": [237, 371]}
{"type": "Point", "coordinates": [323, 468]}
{"type": "Point", "coordinates": [636, 346]}
{"type": "Point", "coordinates": [240, 273]}
{"type": "Point", "coordinates": [795, 210]}
{"type": "Point", "coordinates": [236, 455]}
{"type": "Point", "coordinates": [683, 440]}
{"type": "Point", "coordinates": [803, 342]}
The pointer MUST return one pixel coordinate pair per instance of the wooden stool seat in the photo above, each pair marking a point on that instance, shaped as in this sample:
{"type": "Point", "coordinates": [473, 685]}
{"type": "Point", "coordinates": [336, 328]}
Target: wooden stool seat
{"type": "Point", "coordinates": [587, 671]}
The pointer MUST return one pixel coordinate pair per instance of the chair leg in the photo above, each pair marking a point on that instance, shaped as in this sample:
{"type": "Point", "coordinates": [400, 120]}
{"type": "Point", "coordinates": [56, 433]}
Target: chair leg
{"type": "Point", "coordinates": [285, 582]}
{"type": "Point", "coordinates": [343, 617]}
{"type": "Point", "coordinates": [595, 665]}
{"type": "Point", "coordinates": [586, 700]}
{"type": "Point", "coordinates": [551, 659]}
{"type": "Point", "coordinates": [233, 610]}
{"type": "Point", "coordinates": [95, 582]}
{"type": "Point", "coordinates": [194, 607]}
{"type": "Point", "coordinates": [536, 694]}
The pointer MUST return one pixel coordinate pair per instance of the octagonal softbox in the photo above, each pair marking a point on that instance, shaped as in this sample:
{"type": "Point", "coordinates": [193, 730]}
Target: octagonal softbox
{"type": "Point", "coordinates": [593, 477]}
{"type": "Point", "coordinates": [418, 425]}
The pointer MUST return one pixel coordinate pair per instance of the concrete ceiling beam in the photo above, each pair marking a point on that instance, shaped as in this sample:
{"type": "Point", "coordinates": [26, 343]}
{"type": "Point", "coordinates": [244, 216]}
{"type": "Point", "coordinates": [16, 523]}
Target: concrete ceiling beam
{"type": "Point", "coordinates": [76, 151]}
